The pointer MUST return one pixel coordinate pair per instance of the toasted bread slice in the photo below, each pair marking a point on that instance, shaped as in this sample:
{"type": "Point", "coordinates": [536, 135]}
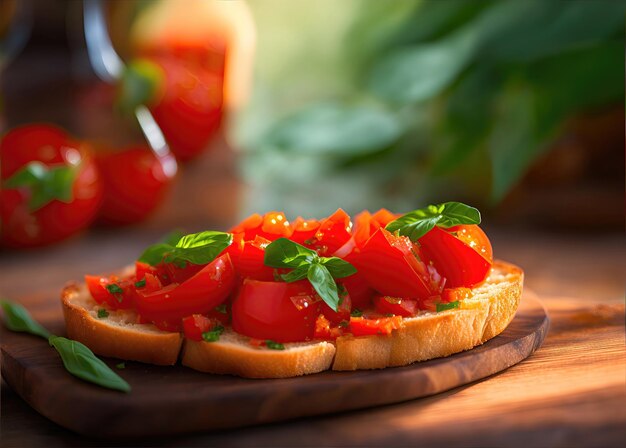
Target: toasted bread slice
{"type": "Point", "coordinates": [425, 336]}
{"type": "Point", "coordinates": [433, 335]}
{"type": "Point", "coordinates": [118, 335]}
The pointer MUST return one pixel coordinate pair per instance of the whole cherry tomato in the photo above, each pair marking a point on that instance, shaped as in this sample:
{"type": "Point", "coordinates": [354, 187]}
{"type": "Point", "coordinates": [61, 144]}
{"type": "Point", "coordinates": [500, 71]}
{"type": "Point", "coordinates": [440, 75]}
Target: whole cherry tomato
{"type": "Point", "coordinates": [185, 99]}
{"type": "Point", "coordinates": [134, 185]}
{"type": "Point", "coordinates": [51, 188]}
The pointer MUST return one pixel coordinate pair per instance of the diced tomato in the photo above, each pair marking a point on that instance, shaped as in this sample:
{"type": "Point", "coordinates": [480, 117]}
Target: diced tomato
{"type": "Point", "coordinates": [248, 227]}
{"type": "Point", "coordinates": [324, 330]}
{"type": "Point", "coordinates": [251, 261]}
{"type": "Point", "coordinates": [172, 325]}
{"type": "Point", "coordinates": [116, 293]}
{"type": "Point", "coordinates": [304, 230]}
{"type": "Point", "coordinates": [180, 274]}
{"type": "Point", "coordinates": [271, 226]}
{"type": "Point", "coordinates": [282, 312]}
{"type": "Point", "coordinates": [360, 292]}
{"type": "Point", "coordinates": [455, 294]}
{"type": "Point", "coordinates": [235, 249]}
{"type": "Point", "coordinates": [361, 326]}
{"type": "Point", "coordinates": [198, 295]}
{"type": "Point", "coordinates": [366, 224]}
{"type": "Point", "coordinates": [333, 232]}
{"type": "Point", "coordinates": [196, 324]}
{"type": "Point", "coordinates": [395, 267]}
{"type": "Point", "coordinates": [464, 261]}
{"type": "Point", "coordinates": [396, 306]}
{"type": "Point", "coordinates": [343, 310]}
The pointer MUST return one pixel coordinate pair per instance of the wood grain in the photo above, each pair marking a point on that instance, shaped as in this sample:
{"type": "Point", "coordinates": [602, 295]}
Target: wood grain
{"type": "Point", "coordinates": [173, 400]}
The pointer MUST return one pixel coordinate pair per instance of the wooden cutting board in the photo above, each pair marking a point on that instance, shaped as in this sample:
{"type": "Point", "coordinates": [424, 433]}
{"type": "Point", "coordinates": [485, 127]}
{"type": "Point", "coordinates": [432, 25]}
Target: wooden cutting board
{"type": "Point", "coordinates": [174, 400]}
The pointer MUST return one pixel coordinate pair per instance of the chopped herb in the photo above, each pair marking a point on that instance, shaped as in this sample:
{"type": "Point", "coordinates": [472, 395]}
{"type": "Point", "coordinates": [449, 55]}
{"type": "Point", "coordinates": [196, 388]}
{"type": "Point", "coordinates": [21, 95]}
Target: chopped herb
{"type": "Point", "coordinates": [344, 323]}
{"type": "Point", "coordinates": [121, 365]}
{"type": "Point", "coordinates": [274, 345]}
{"type": "Point", "coordinates": [356, 313]}
{"type": "Point", "coordinates": [114, 289]}
{"type": "Point", "coordinates": [140, 283]}
{"type": "Point", "coordinates": [213, 335]}
{"type": "Point", "coordinates": [447, 306]}
{"type": "Point", "coordinates": [310, 241]}
{"type": "Point", "coordinates": [102, 313]}
{"type": "Point", "coordinates": [221, 308]}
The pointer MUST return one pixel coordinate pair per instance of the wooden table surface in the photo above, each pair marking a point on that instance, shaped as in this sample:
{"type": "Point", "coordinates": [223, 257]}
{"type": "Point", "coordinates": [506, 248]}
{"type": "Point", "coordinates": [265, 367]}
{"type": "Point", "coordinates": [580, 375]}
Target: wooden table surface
{"type": "Point", "coordinates": [571, 392]}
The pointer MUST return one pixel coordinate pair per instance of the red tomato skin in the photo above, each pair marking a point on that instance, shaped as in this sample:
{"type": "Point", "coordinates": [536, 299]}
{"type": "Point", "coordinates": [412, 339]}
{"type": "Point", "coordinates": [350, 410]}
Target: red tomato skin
{"type": "Point", "coordinates": [361, 326]}
{"type": "Point", "coordinates": [135, 185]}
{"type": "Point", "coordinates": [249, 227]}
{"type": "Point", "coordinates": [265, 310]}
{"type": "Point", "coordinates": [389, 266]}
{"type": "Point", "coordinates": [333, 232]}
{"type": "Point", "coordinates": [210, 287]}
{"type": "Point", "coordinates": [97, 288]}
{"type": "Point", "coordinates": [361, 293]}
{"type": "Point", "coordinates": [251, 262]}
{"type": "Point", "coordinates": [189, 109]}
{"type": "Point", "coordinates": [56, 220]}
{"type": "Point", "coordinates": [366, 224]}
{"type": "Point", "coordinates": [195, 325]}
{"type": "Point", "coordinates": [342, 313]}
{"type": "Point", "coordinates": [396, 306]}
{"type": "Point", "coordinates": [459, 263]}
{"type": "Point", "coordinates": [304, 230]}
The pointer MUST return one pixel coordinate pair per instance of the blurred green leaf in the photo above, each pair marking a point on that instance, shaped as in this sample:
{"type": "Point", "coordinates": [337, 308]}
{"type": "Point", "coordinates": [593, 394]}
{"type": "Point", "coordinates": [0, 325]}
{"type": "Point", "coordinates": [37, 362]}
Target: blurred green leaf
{"type": "Point", "coordinates": [418, 73]}
{"type": "Point", "coordinates": [335, 129]}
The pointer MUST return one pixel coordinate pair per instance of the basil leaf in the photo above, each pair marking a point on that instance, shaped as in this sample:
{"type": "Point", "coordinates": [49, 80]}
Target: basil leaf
{"type": "Point", "coordinates": [298, 273]}
{"type": "Point", "coordinates": [337, 267]}
{"type": "Point", "coordinates": [324, 284]}
{"type": "Point", "coordinates": [419, 222]}
{"type": "Point", "coordinates": [200, 248]}
{"type": "Point", "coordinates": [45, 183]}
{"type": "Point", "coordinates": [284, 253]}
{"type": "Point", "coordinates": [447, 306]}
{"type": "Point", "coordinates": [16, 318]}
{"type": "Point", "coordinates": [196, 248]}
{"type": "Point", "coordinates": [154, 255]}
{"type": "Point", "coordinates": [82, 363]}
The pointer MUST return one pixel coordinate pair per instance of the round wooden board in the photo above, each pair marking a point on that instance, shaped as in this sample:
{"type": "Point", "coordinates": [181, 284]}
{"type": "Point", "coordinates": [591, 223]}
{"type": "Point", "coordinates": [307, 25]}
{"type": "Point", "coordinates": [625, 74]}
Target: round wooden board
{"type": "Point", "coordinates": [175, 400]}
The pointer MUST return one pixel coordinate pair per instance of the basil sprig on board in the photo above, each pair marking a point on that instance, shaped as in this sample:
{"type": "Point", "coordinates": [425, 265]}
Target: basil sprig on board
{"type": "Point", "coordinates": [77, 358]}
{"type": "Point", "coordinates": [196, 248]}
{"type": "Point", "coordinates": [419, 222]}
{"type": "Point", "coordinates": [306, 263]}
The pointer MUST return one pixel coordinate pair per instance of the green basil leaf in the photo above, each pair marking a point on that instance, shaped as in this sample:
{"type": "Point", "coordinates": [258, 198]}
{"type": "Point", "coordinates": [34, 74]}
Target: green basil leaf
{"type": "Point", "coordinates": [200, 248]}
{"type": "Point", "coordinates": [417, 223]}
{"type": "Point", "coordinates": [337, 267]}
{"type": "Point", "coordinates": [196, 248]}
{"type": "Point", "coordinates": [324, 284]}
{"type": "Point", "coordinates": [284, 253]}
{"type": "Point", "coordinates": [16, 318]}
{"type": "Point", "coordinates": [272, 345]}
{"type": "Point", "coordinates": [45, 183]}
{"type": "Point", "coordinates": [447, 306]}
{"type": "Point", "coordinates": [298, 273]}
{"type": "Point", "coordinates": [82, 363]}
{"type": "Point", "coordinates": [213, 335]}
{"type": "Point", "coordinates": [139, 84]}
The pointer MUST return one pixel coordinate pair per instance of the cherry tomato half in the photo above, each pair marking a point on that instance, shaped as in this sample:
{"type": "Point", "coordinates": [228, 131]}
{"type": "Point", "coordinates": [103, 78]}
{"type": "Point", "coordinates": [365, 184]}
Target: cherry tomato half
{"type": "Point", "coordinates": [282, 312]}
{"type": "Point", "coordinates": [463, 262]}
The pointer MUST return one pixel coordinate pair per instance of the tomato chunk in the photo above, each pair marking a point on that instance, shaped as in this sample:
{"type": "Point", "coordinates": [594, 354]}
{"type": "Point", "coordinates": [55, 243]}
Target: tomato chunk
{"type": "Point", "coordinates": [324, 330]}
{"type": "Point", "coordinates": [251, 261]}
{"type": "Point", "coordinates": [463, 262]}
{"type": "Point", "coordinates": [333, 232]}
{"type": "Point", "coordinates": [196, 324]}
{"type": "Point", "coordinates": [282, 312]}
{"type": "Point", "coordinates": [201, 293]}
{"type": "Point", "coordinates": [395, 267]}
{"type": "Point", "coordinates": [112, 291]}
{"type": "Point", "coordinates": [361, 326]}
{"type": "Point", "coordinates": [396, 306]}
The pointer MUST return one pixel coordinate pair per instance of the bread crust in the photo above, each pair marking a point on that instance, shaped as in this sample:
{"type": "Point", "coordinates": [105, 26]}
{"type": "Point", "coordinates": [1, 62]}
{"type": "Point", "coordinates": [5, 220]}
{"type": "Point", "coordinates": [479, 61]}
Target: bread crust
{"type": "Point", "coordinates": [434, 335]}
{"type": "Point", "coordinates": [116, 336]}
{"type": "Point", "coordinates": [426, 336]}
